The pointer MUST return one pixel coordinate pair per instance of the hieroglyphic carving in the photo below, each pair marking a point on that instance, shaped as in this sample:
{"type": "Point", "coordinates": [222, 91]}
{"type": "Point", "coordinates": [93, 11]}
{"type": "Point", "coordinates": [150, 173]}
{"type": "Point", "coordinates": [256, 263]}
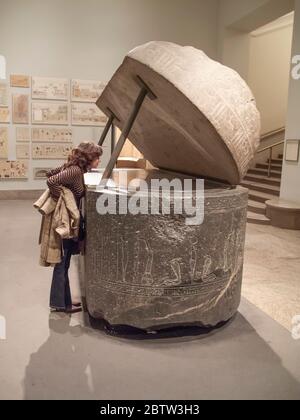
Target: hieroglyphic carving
{"type": "Point", "coordinates": [193, 262]}
{"type": "Point", "coordinates": [176, 269]}
{"type": "Point", "coordinates": [206, 267]}
{"type": "Point", "coordinates": [147, 277]}
{"type": "Point", "coordinates": [124, 260]}
{"type": "Point", "coordinates": [195, 274]}
{"type": "Point", "coordinates": [213, 284]}
{"type": "Point", "coordinates": [225, 99]}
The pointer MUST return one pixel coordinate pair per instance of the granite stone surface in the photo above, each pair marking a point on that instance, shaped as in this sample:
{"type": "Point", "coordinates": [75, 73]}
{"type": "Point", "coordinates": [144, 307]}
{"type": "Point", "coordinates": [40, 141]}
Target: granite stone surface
{"type": "Point", "coordinates": [155, 271]}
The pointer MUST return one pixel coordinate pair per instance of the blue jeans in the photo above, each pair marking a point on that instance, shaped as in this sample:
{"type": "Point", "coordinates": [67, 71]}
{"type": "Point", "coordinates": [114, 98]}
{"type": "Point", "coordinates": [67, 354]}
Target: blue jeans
{"type": "Point", "coordinates": [60, 295]}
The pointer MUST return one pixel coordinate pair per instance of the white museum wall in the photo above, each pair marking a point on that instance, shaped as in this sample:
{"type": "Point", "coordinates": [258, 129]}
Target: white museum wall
{"type": "Point", "coordinates": [233, 44]}
{"type": "Point", "coordinates": [291, 171]}
{"type": "Point", "coordinates": [269, 71]}
{"type": "Point", "coordinates": [237, 19]}
{"type": "Point", "coordinates": [88, 39]}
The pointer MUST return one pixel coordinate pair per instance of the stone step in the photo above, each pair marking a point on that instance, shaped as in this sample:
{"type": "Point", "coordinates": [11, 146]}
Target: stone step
{"type": "Point", "coordinates": [274, 167]}
{"type": "Point", "coordinates": [257, 207]}
{"type": "Point", "coordinates": [257, 219]}
{"type": "Point", "coordinates": [263, 172]}
{"type": "Point", "coordinates": [276, 161]}
{"type": "Point", "coordinates": [260, 196]}
{"type": "Point", "coordinates": [259, 186]}
{"type": "Point", "coordinates": [264, 179]}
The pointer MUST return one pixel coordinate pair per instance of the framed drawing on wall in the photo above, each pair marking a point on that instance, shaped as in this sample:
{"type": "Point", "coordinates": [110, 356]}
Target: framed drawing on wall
{"type": "Point", "coordinates": [88, 115]}
{"type": "Point", "coordinates": [17, 169]}
{"type": "Point", "coordinates": [54, 113]}
{"type": "Point", "coordinates": [23, 134]}
{"type": "Point", "coordinates": [86, 90]}
{"type": "Point", "coordinates": [292, 151]}
{"type": "Point", "coordinates": [51, 150]}
{"type": "Point", "coordinates": [50, 88]}
{"type": "Point", "coordinates": [3, 94]}
{"type": "Point", "coordinates": [20, 109]}
{"type": "Point", "coordinates": [58, 135]}
{"type": "Point", "coordinates": [18, 80]}
{"type": "Point", "coordinates": [40, 173]}
{"type": "Point", "coordinates": [4, 116]}
{"type": "Point", "coordinates": [23, 150]}
{"type": "Point", "coordinates": [3, 142]}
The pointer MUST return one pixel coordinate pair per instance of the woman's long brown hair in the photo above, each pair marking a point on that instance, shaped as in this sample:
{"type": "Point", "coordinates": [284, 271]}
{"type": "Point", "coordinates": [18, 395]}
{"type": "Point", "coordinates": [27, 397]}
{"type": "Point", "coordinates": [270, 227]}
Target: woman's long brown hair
{"type": "Point", "coordinates": [83, 155]}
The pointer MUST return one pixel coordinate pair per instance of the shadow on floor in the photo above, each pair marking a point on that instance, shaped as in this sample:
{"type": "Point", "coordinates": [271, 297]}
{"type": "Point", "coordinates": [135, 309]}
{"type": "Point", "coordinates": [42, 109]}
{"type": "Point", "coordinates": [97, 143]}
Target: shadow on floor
{"type": "Point", "coordinates": [231, 363]}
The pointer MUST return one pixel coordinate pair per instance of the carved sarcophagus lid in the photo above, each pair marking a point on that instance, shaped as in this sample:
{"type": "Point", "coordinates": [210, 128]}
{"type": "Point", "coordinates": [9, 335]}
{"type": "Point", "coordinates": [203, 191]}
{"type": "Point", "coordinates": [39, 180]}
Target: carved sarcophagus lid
{"type": "Point", "coordinates": [204, 121]}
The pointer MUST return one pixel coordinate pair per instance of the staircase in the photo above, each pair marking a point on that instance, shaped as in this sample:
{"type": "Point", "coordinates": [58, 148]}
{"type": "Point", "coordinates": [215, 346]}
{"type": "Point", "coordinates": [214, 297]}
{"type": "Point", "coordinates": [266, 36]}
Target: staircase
{"type": "Point", "coordinates": [262, 188]}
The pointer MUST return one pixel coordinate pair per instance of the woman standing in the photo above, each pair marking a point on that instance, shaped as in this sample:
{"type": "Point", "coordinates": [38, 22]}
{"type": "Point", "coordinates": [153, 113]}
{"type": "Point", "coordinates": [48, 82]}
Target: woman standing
{"type": "Point", "coordinates": [71, 175]}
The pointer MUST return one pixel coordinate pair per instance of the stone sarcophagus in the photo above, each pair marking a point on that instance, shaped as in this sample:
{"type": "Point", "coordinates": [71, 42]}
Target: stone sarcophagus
{"type": "Point", "coordinates": [193, 119]}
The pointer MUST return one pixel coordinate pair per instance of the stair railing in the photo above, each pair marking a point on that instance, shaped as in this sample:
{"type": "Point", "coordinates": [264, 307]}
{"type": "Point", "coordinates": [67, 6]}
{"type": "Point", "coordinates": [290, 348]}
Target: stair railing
{"type": "Point", "coordinates": [272, 133]}
{"type": "Point", "coordinates": [270, 148]}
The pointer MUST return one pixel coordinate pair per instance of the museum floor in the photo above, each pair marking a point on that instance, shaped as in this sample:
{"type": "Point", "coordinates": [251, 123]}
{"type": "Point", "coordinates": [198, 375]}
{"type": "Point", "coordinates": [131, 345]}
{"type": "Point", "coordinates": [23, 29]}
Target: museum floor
{"type": "Point", "coordinates": [55, 356]}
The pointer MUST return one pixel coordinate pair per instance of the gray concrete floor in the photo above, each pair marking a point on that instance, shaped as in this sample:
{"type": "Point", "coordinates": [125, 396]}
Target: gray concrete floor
{"type": "Point", "coordinates": [59, 357]}
{"type": "Point", "coordinates": [271, 273]}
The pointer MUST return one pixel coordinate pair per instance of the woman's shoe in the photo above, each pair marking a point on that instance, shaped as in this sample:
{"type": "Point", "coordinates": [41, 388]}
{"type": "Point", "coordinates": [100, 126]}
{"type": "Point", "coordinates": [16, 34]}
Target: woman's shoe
{"type": "Point", "coordinates": [73, 309]}
{"type": "Point", "coordinates": [69, 310]}
{"type": "Point", "coordinates": [76, 304]}
{"type": "Point", "coordinates": [54, 309]}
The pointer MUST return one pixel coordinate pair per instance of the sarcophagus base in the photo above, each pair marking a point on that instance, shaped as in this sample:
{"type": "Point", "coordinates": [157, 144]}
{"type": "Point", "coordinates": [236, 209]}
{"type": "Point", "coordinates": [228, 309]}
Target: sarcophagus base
{"type": "Point", "coordinates": [155, 271]}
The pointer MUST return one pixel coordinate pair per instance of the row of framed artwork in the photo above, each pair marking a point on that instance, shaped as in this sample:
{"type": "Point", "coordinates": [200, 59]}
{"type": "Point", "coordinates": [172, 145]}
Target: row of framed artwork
{"type": "Point", "coordinates": [46, 144]}
{"type": "Point", "coordinates": [52, 113]}
{"type": "Point", "coordinates": [38, 149]}
{"type": "Point", "coordinates": [19, 170]}
{"type": "Point", "coordinates": [44, 101]}
{"type": "Point", "coordinates": [50, 101]}
{"type": "Point", "coordinates": [50, 88]}
{"type": "Point", "coordinates": [44, 134]}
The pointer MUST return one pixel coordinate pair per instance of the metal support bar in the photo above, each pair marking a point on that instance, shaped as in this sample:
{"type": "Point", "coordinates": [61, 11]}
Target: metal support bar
{"type": "Point", "coordinates": [109, 124]}
{"type": "Point", "coordinates": [113, 138]}
{"type": "Point", "coordinates": [145, 90]}
{"type": "Point", "coordinates": [106, 130]}
{"type": "Point", "coordinates": [270, 148]}
{"type": "Point", "coordinates": [270, 162]}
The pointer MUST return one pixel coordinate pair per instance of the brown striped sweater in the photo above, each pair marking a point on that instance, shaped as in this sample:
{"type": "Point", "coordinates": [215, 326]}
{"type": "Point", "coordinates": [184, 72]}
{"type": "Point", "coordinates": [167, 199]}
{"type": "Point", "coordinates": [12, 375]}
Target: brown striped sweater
{"type": "Point", "coordinates": [71, 177]}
